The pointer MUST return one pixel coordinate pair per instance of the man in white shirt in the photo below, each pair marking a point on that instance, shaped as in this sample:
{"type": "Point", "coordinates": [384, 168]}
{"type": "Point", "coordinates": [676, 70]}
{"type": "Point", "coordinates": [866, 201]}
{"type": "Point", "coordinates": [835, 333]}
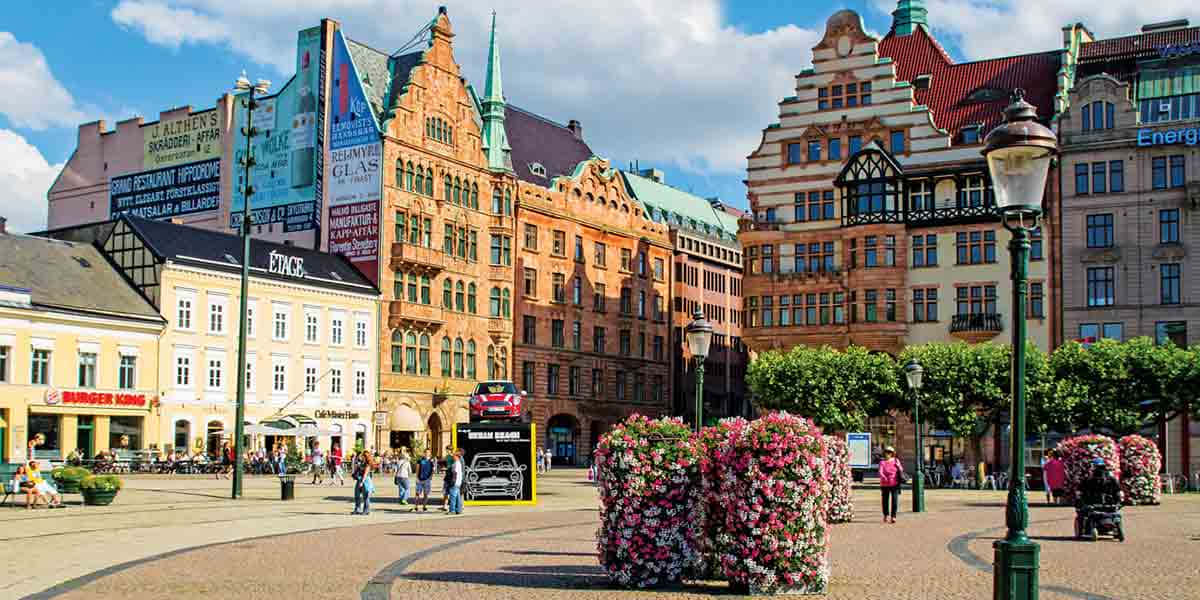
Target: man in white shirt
{"type": "Point", "coordinates": [318, 463]}
{"type": "Point", "coordinates": [456, 502]}
{"type": "Point", "coordinates": [549, 457]}
{"type": "Point", "coordinates": [403, 473]}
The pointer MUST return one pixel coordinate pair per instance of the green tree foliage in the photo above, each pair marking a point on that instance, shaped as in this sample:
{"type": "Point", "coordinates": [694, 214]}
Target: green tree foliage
{"type": "Point", "coordinates": [836, 389]}
{"type": "Point", "coordinates": [964, 387]}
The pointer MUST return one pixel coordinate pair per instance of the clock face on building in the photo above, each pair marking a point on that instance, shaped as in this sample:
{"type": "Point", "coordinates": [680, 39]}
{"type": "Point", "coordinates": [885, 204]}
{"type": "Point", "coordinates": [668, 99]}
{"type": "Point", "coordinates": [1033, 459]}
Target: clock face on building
{"type": "Point", "coordinates": [844, 46]}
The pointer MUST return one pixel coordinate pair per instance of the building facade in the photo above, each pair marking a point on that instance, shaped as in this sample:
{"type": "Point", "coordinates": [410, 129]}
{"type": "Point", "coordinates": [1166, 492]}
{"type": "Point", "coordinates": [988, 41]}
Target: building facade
{"type": "Point", "coordinates": [707, 276]}
{"type": "Point", "coordinates": [873, 218]}
{"type": "Point", "coordinates": [78, 353]}
{"type": "Point", "coordinates": [1130, 194]}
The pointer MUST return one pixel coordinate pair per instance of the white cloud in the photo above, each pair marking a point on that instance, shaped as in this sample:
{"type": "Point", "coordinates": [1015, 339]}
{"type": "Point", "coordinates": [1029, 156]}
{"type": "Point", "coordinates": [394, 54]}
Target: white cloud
{"type": "Point", "coordinates": [32, 97]}
{"type": "Point", "coordinates": [27, 177]}
{"type": "Point", "coordinates": [663, 82]}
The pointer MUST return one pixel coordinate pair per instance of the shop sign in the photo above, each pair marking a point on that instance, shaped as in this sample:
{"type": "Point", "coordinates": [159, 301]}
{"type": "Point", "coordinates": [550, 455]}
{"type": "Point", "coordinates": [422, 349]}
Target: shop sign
{"type": "Point", "coordinates": [381, 418]}
{"type": "Point", "coordinates": [1177, 50]}
{"type": "Point", "coordinates": [1182, 135]}
{"type": "Point", "coordinates": [335, 414]}
{"type": "Point", "coordinates": [282, 264]}
{"type": "Point", "coordinates": [54, 397]}
{"type": "Point", "coordinates": [167, 191]}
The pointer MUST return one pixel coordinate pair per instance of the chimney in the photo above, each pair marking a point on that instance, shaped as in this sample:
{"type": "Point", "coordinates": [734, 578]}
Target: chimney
{"type": "Point", "coordinates": [3, 227]}
{"type": "Point", "coordinates": [654, 175]}
{"type": "Point", "coordinates": [576, 129]}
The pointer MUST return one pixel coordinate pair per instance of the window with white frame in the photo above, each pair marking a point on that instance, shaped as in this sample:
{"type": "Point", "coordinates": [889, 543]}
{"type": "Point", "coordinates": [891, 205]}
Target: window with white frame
{"type": "Point", "coordinates": [335, 329]}
{"type": "Point", "coordinates": [216, 317]}
{"type": "Point", "coordinates": [39, 371]}
{"type": "Point", "coordinates": [183, 313]}
{"type": "Point", "coordinates": [215, 365]}
{"type": "Point", "coordinates": [250, 373]}
{"type": "Point", "coordinates": [280, 331]}
{"type": "Point", "coordinates": [360, 382]}
{"type": "Point", "coordinates": [250, 318]}
{"type": "Point", "coordinates": [183, 371]}
{"type": "Point", "coordinates": [279, 378]}
{"type": "Point", "coordinates": [360, 334]}
{"type": "Point", "coordinates": [335, 381]}
{"type": "Point", "coordinates": [87, 369]}
{"type": "Point", "coordinates": [127, 372]}
{"type": "Point", "coordinates": [310, 327]}
{"type": "Point", "coordinates": [5, 361]}
{"type": "Point", "coordinates": [310, 379]}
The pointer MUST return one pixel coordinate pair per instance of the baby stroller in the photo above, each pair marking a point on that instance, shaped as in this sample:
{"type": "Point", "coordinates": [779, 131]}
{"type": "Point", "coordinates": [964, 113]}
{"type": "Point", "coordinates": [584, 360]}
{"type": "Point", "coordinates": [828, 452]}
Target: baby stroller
{"type": "Point", "coordinates": [1098, 510]}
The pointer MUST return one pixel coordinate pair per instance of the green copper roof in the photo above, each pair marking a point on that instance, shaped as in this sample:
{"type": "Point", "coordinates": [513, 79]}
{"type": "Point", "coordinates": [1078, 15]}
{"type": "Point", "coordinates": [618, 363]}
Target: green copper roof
{"type": "Point", "coordinates": [677, 208]}
{"type": "Point", "coordinates": [908, 15]}
{"type": "Point", "coordinates": [495, 139]}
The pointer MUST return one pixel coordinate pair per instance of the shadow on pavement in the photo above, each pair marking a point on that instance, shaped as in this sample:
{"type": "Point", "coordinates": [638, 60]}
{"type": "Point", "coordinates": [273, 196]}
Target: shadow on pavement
{"type": "Point", "coordinates": [555, 577]}
{"type": "Point", "coordinates": [547, 553]}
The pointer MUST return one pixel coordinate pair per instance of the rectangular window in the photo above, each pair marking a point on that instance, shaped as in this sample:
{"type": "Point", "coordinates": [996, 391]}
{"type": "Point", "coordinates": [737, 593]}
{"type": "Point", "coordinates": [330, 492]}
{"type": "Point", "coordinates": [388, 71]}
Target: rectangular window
{"type": "Point", "coordinates": [1100, 231]}
{"type": "Point", "coordinates": [310, 328]}
{"type": "Point", "coordinates": [184, 313]}
{"type": "Point", "coordinates": [827, 201]}
{"type": "Point", "coordinates": [279, 378]}
{"type": "Point", "coordinates": [626, 301]}
{"type": "Point", "coordinates": [360, 334]}
{"type": "Point", "coordinates": [183, 371]}
{"type": "Point", "coordinates": [557, 333]}
{"type": "Point", "coordinates": [975, 247]}
{"type": "Point", "coordinates": [795, 153]}
{"type": "Point", "coordinates": [215, 370]}
{"type": "Point", "coordinates": [1081, 179]}
{"type": "Point", "coordinates": [87, 369]}
{"type": "Point", "coordinates": [573, 381]}
{"type": "Point", "coordinates": [598, 342]}
{"type": "Point", "coordinates": [660, 269]}
{"type": "Point", "coordinates": [473, 249]}
{"type": "Point", "coordinates": [620, 386]}
{"type": "Point", "coordinates": [814, 151]}
{"type": "Point", "coordinates": [1177, 175]}
{"type": "Point", "coordinates": [1116, 176]}
{"type": "Point", "coordinates": [1035, 245]}
{"type": "Point", "coordinates": [335, 331]}
{"type": "Point", "coordinates": [870, 252]}
{"type": "Point", "coordinates": [871, 306]}
{"type": "Point", "coordinates": [531, 237]}
{"type": "Point", "coordinates": [855, 144]}
{"type": "Point", "coordinates": [835, 149]}
{"type": "Point", "coordinates": [281, 325]}
{"type": "Point", "coordinates": [552, 372]}
{"type": "Point", "coordinates": [1168, 226]}
{"type": "Point", "coordinates": [599, 257]}
{"type": "Point", "coordinates": [578, 248]}
{"type": "Point", "coordinates": [924, 305]}
{"type": "Point", "coordinates": [658, 347]}
{"type": "Point", "coordinates": [889, 250]}
{"type": "Point", "coordinates": [529, 329]}
{"type": "Point", "coordinates": [527, 376]}
{"type": "Point", "coordinates": [624, 342]}
{"type": "Point", "coordinates": [597, 382]}
{"type": "Point", "coordinates": [1099, 177]}
{"type": "Point", "coordinates": [1113, 331]}
{"type": "Point", "coordinates": [559, 288]}
{"type": "Point", "coordinates": [768, 311]}
{"type": "Point", "coordinates": [626, 260]}
{"type": "Point", "coordinates": [1169, 283]}
{"type": "Point", "coordinates": [126, 372]}
{"type": "Point", "coordinates": [924, 250]}
{"type": "Point", "coordinates": [1100, 286]}
{"type": "Point", "coordinates": [639, 387]}
{"type": "Point", "coordinates": [250, 375]}
{"type": "Point", "coordinates": [897, 139]}
{"type": "Point", "coordinates": [5, 361]}
{"type": "Point", "coordinates": [559, 243]}
{"type": "Point", "coordinates": [1158, 169]}
{"type": "Point", "coordinates": [576, 336]}
{"type": "Point", "coordinates": [889, 301]}
{"type": "Point", "coordinates": [216, 318]}
{"type": "Point", "coordinates": [1037, 301]}
{"type": "Point", "coordinates": [448, 240]}
{"type": "Point", "coordinates": [975, 299]}
{"type": "Point", "coordinates": [310, 380]}
{"type": "Point", "coordinates": [530, 283]}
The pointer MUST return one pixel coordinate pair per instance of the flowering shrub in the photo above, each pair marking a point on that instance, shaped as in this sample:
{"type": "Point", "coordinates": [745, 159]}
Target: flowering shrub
{"type": "Point", "coordinates": [712, 445]}
{"type": "Point", "coordinates": [649, 493]}
{"type": "Point", "coordinates": [1140, 463]}
{"type": "Point", "coordinates": [1077, 454]}
{"type": "Point", "coordinates": [774, 487]}
{"type": "Point", "coordinates": [840, 505]}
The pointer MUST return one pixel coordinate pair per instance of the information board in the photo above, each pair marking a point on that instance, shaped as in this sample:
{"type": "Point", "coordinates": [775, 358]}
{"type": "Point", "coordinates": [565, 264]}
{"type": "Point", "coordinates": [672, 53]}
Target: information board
{"type": "Point", "coordinates": [499, 462]}
{"type": "Point", "coordinates": [860, 449]}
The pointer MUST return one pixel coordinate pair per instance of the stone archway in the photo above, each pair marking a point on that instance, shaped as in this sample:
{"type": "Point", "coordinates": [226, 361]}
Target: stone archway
{"type": "Point", "coordinates": [562, 438]}
{"type": "Point", "coordinates": [435, 439]}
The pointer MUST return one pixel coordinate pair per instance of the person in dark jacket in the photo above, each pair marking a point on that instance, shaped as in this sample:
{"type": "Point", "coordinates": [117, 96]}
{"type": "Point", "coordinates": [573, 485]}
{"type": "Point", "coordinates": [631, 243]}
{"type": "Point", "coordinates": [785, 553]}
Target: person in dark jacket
{"type": "Point", "coordinates": [1102, 488]}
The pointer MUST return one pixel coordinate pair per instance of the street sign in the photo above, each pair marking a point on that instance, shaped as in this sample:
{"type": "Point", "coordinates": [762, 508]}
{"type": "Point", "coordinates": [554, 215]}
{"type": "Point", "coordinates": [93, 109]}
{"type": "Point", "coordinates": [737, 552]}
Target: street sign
{"type": "Point", "coordinates": [860, 449]}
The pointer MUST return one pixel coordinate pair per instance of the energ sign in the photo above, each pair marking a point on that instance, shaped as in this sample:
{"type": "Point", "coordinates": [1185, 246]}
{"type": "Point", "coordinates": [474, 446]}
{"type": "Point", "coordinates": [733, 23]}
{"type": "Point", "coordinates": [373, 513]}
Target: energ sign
{"type": "Point", "coordinates": [1181, 135]}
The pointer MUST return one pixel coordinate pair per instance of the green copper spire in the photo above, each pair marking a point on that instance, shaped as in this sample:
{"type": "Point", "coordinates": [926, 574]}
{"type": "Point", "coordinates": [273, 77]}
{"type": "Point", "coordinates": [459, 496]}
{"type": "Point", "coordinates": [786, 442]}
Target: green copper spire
{"type": "Point", "coordinates": [495, 139]}
{"type": "Point", "coordinates": [908, 15]}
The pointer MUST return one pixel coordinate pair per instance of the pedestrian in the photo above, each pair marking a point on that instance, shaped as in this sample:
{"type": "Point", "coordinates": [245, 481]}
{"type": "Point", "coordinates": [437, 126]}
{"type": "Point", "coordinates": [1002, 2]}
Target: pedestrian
{"type": "Point", "coordinates": [891, 475]}
{"type": "Point", "coordinates": [363, 484]}
{"type": "Point", "coordinates": [226, 469]}
{"type": "Point", "coordinates": [403, 473]}
{"type": "Point", "coordinates": [541, 458]}
{"type": "Point", "coordinates": [455, 494]}
{"type": "Point", "coordinates": [335, 464]}
{"type": "Point", "coordinates": [549, 458]}
{"type": "Point", "coordinates": [1054, 473]}
{"type": "Point", "coordinates": [318, 463]}
{"type": "Point", "coordinates": [425, 468]}
{"type": "Point", "coordinates": [447, 478]}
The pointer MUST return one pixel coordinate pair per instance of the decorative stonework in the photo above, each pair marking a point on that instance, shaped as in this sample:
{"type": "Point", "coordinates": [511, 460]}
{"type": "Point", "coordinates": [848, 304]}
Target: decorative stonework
{"type": "Point", "coordinates": [844, 24]}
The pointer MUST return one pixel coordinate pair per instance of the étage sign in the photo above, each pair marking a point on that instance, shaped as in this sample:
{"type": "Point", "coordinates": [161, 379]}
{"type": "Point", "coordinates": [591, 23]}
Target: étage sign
{"type": "Point", "coordinates": [282, 264]}
{"type": "Point", "coordinates": [498, 462]}
{"type": "Point", "coordinates": [1182, 135]}
{"type": "Point", "coordinates": [167, 192]}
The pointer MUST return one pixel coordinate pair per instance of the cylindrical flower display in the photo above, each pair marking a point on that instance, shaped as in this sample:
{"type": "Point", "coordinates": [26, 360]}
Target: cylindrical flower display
{"type": "Point", "coordinates": [712, 445]}
{"type": "Point", "coordinates": [840, 505]}
{"type": "Point", "coordinates": [775, 537]}
{"type": "Point", "coordinates": [649, 491]}
{"type": "Point", "coordinates": [1077, 454]}
{"type": "Point", "coordinates": [1140, 464]}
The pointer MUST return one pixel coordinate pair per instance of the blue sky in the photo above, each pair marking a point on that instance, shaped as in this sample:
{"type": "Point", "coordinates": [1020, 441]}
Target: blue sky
{"type": "Point", "coordinates": [682, 85]}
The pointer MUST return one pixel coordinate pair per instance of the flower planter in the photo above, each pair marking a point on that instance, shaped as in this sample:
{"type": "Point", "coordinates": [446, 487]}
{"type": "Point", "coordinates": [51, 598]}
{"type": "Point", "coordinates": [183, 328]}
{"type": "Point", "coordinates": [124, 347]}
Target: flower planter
{"type": "Point", "coordinates": [98, 497]}
{"type": "Point", "coordinates": [66, 486]}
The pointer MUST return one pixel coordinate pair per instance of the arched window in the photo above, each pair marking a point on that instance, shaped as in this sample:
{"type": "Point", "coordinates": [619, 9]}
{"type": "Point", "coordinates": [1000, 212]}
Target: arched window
{"type": "Point", "coordinates": [458, 358]}
{"type": "Point", "coordinates": [497, 202]}
{"type": "Point", "coordinates": [445, 357]}
{"type": "Point", "coordinates": [399, 173]}
{"type": "Point", "coordinates": [475, 196]}
{"type": "Point", "coordinates": [429, 182]}
{"type": "Point", "coordinates": [425, 290]}
{"type": "Point", "coordinates": [508, 202]}
{"type": "Point", "coordinates": [459, 300]}
{"type": "Point", "coordinates": [458, 191]}
{"type": "Point", "coordinates": [410, 353]}
{"type": "Point", "coordinates": [470, 359]}
{"type": "Point", "coordinates": [420, 181]}
{"type": "Point", "coordinates": [494, 303]}
{"type": "Point", "coordinates": [408, 178]}
{"type": "Point", "coordinates": [471, 298]}
{"type": "Point", "coordinates": [491, 362]}
{"type": "Point", "coordinates": [871, 188]}
{"type": "Point", "coordinates": [505, 305]}
{"type": "Point", "coordinates": [449, 189]}
{"type": "Point", "coordinates": [502, 362]}
{"type": "Point", "coordinates": [397, 352]}
{"type": "Point", "coordinates": [425, 354]}
{"type": "Point", "coordinates": [447, 293]}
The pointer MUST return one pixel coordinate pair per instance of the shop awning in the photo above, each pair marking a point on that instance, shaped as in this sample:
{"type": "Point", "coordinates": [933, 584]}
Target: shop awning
{"type": "Point", "coordinates": [405, 418]}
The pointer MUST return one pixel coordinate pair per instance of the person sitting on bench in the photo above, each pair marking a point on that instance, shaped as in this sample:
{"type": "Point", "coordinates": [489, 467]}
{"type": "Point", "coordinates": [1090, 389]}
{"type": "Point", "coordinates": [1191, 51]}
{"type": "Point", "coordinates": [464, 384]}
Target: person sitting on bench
{"type": "Point", "coordinates": [43, 487]}
{"type": "Point", "coordinates": [22, 484]}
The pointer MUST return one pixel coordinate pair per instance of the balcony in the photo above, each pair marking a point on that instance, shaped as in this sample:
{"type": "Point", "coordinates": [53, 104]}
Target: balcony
{"type": "Point", "coordinates": [410, 315]}
{"type": "Point", "coordinates": [953, 214]}
{"type": "Point", "coordinates": [976, 327]}
{"type": "Point", "coordinates": [412, 258]}
{"type": "Point", "coordinates": [499, 329]}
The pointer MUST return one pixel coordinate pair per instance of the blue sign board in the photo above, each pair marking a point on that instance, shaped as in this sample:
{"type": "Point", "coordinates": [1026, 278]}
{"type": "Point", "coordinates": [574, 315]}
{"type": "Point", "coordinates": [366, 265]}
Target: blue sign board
{"type": "Point", "coordinates": [1181, 135]}
{"type": "Point", "coordinates": [860, 449]}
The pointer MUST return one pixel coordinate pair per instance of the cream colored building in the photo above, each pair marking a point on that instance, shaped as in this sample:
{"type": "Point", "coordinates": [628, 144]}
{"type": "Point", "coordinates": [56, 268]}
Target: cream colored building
{"type": "Point", "coordinates": [78, 350]}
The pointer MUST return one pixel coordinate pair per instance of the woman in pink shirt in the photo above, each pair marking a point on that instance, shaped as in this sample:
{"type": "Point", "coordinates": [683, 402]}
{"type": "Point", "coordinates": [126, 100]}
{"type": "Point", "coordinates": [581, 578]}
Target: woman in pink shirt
{"type": "Point", "coordinates": [891, 475]}
{"type": "Point", "coordinates": [1054, 472]}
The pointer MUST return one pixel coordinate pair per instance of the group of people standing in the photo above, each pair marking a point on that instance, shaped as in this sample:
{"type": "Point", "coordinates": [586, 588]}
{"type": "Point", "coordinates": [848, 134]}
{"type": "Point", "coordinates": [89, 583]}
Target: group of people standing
{"type": "Point", "coordinates": [545, 459]}
{"type": "Point", "coordinates": [364, 464]}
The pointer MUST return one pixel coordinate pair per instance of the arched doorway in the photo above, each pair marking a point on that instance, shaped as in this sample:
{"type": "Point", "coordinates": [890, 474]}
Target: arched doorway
{"type": "Point", "coordinates": [435, 436]}
{"type": "Point", "coordinates": [214, 429]}
{"type": "Point", "coordinates": [562, 437]}
{"type": "Point", "coordinates": [183, 434]}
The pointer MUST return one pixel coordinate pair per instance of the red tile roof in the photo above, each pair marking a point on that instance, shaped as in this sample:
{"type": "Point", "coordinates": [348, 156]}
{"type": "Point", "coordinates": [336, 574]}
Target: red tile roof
{"type": "Point", "coordinates": [1141, 45]}
{"type": "Point", "coordinates": [949, 96]}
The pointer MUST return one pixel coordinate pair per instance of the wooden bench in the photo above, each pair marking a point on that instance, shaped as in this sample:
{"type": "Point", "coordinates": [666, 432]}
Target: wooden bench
{"type": "Point", "coordinates": [7, 470]}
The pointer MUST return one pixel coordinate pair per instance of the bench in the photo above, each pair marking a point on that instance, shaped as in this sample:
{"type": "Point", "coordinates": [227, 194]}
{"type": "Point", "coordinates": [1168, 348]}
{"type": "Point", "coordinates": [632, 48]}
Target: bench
{"type": "Point", "coordinates": [7, 470]}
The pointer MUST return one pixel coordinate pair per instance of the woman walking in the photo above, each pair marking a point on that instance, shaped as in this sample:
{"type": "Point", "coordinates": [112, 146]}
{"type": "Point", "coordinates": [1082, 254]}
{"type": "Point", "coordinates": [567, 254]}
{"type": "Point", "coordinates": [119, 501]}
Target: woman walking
{"type": "Point", "coordinates": [891, 475]}
{"type": "Point", "coordinates": [364, 486]}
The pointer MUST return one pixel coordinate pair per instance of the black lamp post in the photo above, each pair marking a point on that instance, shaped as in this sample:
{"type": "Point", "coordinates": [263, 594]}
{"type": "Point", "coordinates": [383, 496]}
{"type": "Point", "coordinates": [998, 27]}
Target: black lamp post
{"type": "Point", "coordinates": [699, 336]}
{"type": "Point", "coordinates": [1019, 153]}
{"type": "Point", "coordinates": [243, 85]}
{"type": "Point", "coordinates": [914, 372]}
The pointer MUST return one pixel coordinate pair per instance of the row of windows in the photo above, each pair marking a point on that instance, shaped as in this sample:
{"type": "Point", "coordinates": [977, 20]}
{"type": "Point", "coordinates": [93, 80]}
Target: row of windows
{"type": "Point", "coordinates": [457, 240]}
{"type": "Point", "coordinates": [1097, 115]}
{"type": "Point", "coordinates": [410, 354]}
{"type": "Point", "coordinates": [712, 250]}
{"type": "Point", "coordinates": [1101, 285]}
{"type": "Point", "coordinates": [439, 130]}
{"type": "Point", "coordinates": [558, 247]}
{"type": "Point", "coordinates": [1164, 331]}
{"type": "Point", "coordinates": [281, 316]}
{"type": "Point", "coordinates": [87, 363]}
{"type": "Point", "coordinates": [214, 368]}
{"type": "Point", "coordinates": [847, 95]}
{"type": "Point", "coordinates": [1159, 173]}
{"type": "Point", "coordinates": [1104, 177]}
{"type": "Point", "coordinates": [627, 389]}
{"type": "Point", "coordinates": [558, 338]}
{"type": "Point", "coordinates": [712, 312]}
{"type": "Point", "coordinates": [877, 306]}
{"type": "Point", "coordinates": [1101, 228]}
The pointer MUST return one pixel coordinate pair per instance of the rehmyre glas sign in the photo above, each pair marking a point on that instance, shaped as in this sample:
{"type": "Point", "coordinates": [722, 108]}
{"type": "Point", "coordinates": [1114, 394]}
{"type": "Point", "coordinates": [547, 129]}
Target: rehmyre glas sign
{"type": "Point", "coordinates": [1180, 135]}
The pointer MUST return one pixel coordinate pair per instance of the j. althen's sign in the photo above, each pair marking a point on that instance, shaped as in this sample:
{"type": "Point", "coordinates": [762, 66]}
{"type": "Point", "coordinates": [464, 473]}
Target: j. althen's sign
{"type": "Point", "coordinates": [1181, 135]}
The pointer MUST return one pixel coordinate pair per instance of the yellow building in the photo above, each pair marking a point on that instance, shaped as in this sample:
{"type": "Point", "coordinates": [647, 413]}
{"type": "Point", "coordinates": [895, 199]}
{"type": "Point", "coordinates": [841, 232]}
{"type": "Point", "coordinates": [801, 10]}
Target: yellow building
{"type": "Point", "coordinates": [311, 333]}
{"type": "Point", "coordinates": [78, 352]}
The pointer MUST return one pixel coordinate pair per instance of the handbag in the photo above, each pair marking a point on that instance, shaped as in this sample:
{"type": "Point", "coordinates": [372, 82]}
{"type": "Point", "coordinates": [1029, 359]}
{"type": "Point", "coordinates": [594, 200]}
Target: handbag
{"type": "Point", "coordinates": [369, 485]}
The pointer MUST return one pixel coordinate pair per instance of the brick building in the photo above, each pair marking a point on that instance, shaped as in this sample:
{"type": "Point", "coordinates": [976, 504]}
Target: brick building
{"type": "Point", "coordinates": [707, 267]}
{"type": "Point", "coordinates": [1130, 194]}
{"type": "Point", "coordinates": [873, 218]}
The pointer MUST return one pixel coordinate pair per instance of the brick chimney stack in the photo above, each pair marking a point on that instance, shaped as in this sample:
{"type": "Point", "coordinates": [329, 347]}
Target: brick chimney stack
{"type": "Point", "coordinates": [575, 128]}
{"type": "Point", "coordinates": [3, 226]}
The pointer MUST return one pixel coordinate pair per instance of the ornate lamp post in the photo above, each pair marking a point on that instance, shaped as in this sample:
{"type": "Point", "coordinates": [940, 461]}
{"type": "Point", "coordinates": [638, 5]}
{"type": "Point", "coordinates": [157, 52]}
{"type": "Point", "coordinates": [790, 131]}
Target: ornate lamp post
{"type": "Point", "coordinates": [243, 85]}
{"type": "Point", "coordinates": [1019, 153]}
{"type": "Point", "coordinates": [699, 335]}
{"type": "Point", "coordinates": [914, 372]}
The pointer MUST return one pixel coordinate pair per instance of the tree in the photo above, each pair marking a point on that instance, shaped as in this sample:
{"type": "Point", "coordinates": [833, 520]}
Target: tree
{"type": "Point", "coordinates": [836, 389]}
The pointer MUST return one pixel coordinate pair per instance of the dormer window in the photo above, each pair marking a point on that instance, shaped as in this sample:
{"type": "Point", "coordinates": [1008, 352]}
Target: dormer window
{"type": "Point", "coordinates": [922, 81]}
{"type": "Point", "coordinates": [970, 134]}
{"type": "Point", "coordinates": [987, 95]}
{"type": "Point", "coordinates": [537, 169]}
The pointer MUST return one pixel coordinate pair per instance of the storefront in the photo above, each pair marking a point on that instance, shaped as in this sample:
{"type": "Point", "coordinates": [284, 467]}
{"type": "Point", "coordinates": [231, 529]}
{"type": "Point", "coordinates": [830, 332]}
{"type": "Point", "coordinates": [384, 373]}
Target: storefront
{"type": "Point", "coordinates": [88, 422]}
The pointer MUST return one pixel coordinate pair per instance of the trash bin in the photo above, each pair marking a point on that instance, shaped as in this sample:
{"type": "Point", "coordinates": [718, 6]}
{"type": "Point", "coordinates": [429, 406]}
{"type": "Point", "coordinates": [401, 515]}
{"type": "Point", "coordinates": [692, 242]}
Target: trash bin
{"type": "Point", "coordinates": [287, 487]}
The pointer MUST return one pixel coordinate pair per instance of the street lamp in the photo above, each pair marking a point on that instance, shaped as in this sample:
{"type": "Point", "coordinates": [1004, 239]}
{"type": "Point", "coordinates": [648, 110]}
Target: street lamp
{"type": "Point", "coordinates": [243, 85]}
{"type": "Point", "coordinates": [914, 372]}
{"type": "Point", "coordinates": [1019, 153]}
{"type": "Point", "coordinates": [699, 335]}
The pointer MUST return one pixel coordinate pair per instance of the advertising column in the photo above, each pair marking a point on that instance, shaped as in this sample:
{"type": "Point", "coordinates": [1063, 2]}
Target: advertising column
{"type": "Point", "coordinates": [355, 158]}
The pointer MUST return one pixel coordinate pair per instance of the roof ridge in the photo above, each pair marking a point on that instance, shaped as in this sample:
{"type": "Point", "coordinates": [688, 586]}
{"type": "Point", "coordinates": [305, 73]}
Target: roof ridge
{"type": "Point", "coordinates": [535, 115]}
{"type": "Point", "coordinates": [1140, 34]}
{"type": "Point", "coordinates": [1010, 56]}
{"type": "Point", "coordinates": [367, 46]}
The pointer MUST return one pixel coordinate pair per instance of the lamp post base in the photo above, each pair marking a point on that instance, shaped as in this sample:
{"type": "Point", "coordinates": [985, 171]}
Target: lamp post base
{"type": "Point", "coordinates": [1015, 570]}
{"type": "Point", "coordinates": [918, 489]}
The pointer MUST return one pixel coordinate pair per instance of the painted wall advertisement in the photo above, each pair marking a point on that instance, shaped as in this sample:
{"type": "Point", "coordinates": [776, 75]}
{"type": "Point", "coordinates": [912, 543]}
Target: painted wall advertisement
{"type": "Point", "coordinates": [284, 148]}
{"type": "Point", "coordinates": [182, 162]}
{"type": "Point", "coordinates": [355, 162]}
{"type": "Point", "coordinates": [498, 462]}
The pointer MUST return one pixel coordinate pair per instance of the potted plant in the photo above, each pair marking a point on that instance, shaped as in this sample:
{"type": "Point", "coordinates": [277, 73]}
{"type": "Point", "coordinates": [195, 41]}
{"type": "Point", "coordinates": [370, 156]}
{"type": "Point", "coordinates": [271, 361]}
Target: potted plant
{"type": "Point", "coordinates": [67, 479]}
{"type": "Point", "coordinates": [99, 490]}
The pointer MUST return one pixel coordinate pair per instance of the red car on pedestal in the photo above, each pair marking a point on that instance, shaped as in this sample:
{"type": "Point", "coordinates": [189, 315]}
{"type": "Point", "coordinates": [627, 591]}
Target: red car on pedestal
{"type": "Point", "coordinates": [497, 401]}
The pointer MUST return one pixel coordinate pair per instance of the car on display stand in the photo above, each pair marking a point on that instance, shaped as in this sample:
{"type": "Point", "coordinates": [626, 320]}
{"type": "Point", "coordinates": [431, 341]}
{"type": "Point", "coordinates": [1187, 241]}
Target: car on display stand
{"type": "Point", "coordinates": [498, 401]}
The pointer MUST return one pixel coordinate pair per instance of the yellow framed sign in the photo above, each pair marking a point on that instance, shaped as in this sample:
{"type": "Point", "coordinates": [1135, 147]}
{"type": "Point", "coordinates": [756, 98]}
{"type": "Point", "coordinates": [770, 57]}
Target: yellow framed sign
{"type": "Point", "coordinates": [499, 462]}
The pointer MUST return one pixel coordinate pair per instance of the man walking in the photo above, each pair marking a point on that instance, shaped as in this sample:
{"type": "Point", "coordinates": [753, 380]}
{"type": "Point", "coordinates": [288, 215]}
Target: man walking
{"type": "Point", "coordinates": [549, 458]}
{"type": "Point", "coordinates": [403, 473]}
{"type": "Point", "coordinates": [456, 468]}
{"type": "Point", "coordinates": [424, 481]}
{"type": "Point", "coordinates": [447, 479]}
{"type": "Point", "coordinates": [318, 463]}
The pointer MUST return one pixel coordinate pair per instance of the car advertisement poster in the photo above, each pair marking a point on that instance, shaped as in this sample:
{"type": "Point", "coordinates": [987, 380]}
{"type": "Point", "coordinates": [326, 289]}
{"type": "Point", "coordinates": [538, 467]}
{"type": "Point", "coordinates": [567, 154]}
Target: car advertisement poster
{"type": "Point", "coordinates": [355, 160]}
{"type": "Point", "coordinates": [860, 449]}
{"type": "Point", "coordinates": [284, 148]}
{"type": "Point", "coordinates": [499, 463]}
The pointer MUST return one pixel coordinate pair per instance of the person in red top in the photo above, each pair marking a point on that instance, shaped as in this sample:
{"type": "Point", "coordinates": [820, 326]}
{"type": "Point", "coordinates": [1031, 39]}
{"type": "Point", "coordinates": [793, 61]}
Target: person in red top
{"type": "Point", "coordinates": [1054, 472]}
{"type": "Point", "coordinates": [891, 475]}
{"type": "Point", "coordinates": [335, 464]}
